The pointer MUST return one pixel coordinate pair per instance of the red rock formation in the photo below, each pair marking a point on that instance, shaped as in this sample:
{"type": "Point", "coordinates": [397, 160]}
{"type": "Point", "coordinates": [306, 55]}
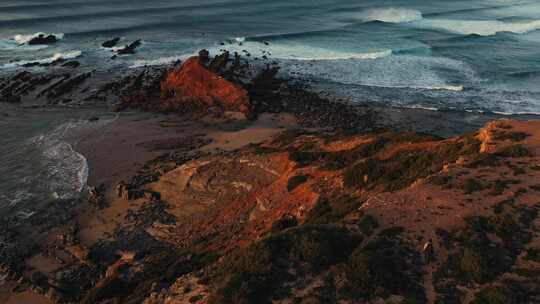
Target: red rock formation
{"type": "Point", "coordinates": [194, 86]}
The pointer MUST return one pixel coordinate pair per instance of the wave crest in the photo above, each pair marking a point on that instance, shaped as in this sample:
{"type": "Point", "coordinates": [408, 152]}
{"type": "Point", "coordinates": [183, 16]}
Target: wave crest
{"type": "Point", "coordinates": [55, 57]}
{"type": "Point", "coordinates": [23, 39]}
{"type": "Point", "coordinates": [299, 52]}
{"type": "Point", "coordinates": [391, 15]}
{"type": "Point", "coordinates": [482, 27]}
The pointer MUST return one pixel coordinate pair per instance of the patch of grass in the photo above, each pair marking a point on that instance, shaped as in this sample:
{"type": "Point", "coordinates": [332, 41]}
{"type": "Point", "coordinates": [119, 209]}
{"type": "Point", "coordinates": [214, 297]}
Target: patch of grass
{"type": "Point", "coordinates": [195, 299]}
{"type": "Point", "coordinates": [535, 187]}
{"type": "Point", "coordinates": [441, 180]}
{"type": "Point", "coordinates": [473, 265]}
{"type": "Point", "coordinates": [492, 295]}
{"type": "Point", "coordinates": [407, 166]}
{"type": "Point", "coordinates": [368, 224]}
{"type": "Point", "coordinates": [520, 192]}
{"type": "Point", "coordinates": [514, 151]}
{"type": "Point", "coordinates": [503, 125]}
{"type": "Point", "coordinates": [471, 185]}
{"type": "Point", "coordinates": [257, 273]}
{"type": "Point", "coordinates": [381, 268]}
{"type": "Point", "coordinates": [533, 254]}
{"type": "Point", "coordinates": [484, 160]}
{"type": "Point", "coordinates": [518, 170]}
{"type": "Point", "coordinates": [513, 136]}
{"type": "Point", "coordinates": [296, 181]}
{"type": "Point", "coordinates": [331, 210]}
{"type": "Point", "coordinates": [284, 223]}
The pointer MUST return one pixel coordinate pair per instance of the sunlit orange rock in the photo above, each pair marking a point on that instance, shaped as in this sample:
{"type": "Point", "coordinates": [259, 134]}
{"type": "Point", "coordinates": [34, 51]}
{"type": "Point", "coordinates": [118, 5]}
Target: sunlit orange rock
{"type": "Point", "coordinates": [194, 86]}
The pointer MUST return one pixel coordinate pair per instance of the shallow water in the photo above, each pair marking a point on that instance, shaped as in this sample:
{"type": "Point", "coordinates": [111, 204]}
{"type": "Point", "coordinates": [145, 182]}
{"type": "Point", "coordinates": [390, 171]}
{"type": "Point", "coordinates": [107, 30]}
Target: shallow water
{"type": "Point", "coordinates": [37, 160]}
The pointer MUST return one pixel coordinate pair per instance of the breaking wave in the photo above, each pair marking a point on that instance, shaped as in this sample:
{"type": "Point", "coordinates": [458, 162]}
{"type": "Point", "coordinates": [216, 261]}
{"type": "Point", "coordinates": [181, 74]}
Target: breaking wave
{"type": "Point", "coordinates": [23, 39]}
{"type": "Point", "coordinates": [481, 27]}
{"type": "Point", "coordinates": [159, 61]}
{"type": "Point", "coordinates": [390, 15]}
{"type": "Point", "coordinates": [298, 52]}
{"type": "Point", "coordinates": [67, 170]}
{"type": "Point", "coordinates": [55, 57]}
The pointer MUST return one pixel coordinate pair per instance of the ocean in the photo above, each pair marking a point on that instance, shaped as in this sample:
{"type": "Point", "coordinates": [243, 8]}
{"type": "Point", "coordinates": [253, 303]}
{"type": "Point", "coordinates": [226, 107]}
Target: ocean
{"type": "Point", "coordinates": [469, 55]}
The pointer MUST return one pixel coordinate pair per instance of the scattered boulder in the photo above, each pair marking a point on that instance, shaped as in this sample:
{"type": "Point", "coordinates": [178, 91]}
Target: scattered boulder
{"type": "Point", "coordinates": [130, 49]}
{"type": "Point", "coordinates": [110, 43]}
{"type": "Point", "coordinates": [42, 39]}
{"type": "Point", "coordinates": [72, 64]}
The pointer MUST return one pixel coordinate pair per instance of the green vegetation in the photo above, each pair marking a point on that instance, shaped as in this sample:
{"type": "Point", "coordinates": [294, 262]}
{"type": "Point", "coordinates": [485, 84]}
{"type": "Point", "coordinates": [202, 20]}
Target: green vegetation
{"type": "Point", "coordinates": [514, 151]}
{"type": "Point", "coordinates": [381, 268]}
{"type": "Point", "coordinates": [492, 295]}
{"type": "Point", "coordinates": [535, 187]}
{"type": "Point", "coordinates": [405, 167]}
{"type": "Point", "coordinates": [332, 210]}
{"type": "Point", "coordinates": [368, 224]}
{"type": "Point", "coordinates": [285, 222]}
{"type": "Point", "coordinates": [513, 136]}
{"type": "Point", "coordinates": [195, 299]}
{"type": "Point", "coordinates": [296, 181]}
{"type": "Point", "coordinates": [471, 185]}
{"type": "Point", "coordinates": [255, 274]}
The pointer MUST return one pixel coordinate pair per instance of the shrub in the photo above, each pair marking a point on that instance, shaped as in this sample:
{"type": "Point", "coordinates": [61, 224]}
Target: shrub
{"type": "Point", "coordinates": [296, 181]}
{"type": "Point", "coordinates": [283, 223]}
{"type": "Point", "coordinates": [492, 295]}
{"type": "Point", "coordinates": [472, 265]}
{"type": "Point", "coordinates": [535, 187]}
{"type": "Point", "coordinates": [258, 272]}
{"type": "Point", "coordinates": [383, 267]}
{"type": "Point", "coordinates": [513, 136]}
{"type": "Point", "coordinates": [368, 224]}
{"type": "Point", "coordinates": [471, 185]}
{"type": "Point", "coordinates": [332, 210]}
{"type": "Point", "coordinates": [514, 151]}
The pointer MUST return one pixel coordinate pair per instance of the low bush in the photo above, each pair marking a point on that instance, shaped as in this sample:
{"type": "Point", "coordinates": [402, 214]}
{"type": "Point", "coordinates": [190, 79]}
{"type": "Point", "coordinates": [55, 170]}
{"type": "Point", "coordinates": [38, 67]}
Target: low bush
{"type": "Point", "coordinates": [471, 185]}
{"type": "Point", "coordinates": [514, 151]}
{"type": "Point", "coordinates": [331, 210]}
{"type": "Point", "coordinates": [296, 181]}
{"type": "Point", "coordinates": [257, 273]}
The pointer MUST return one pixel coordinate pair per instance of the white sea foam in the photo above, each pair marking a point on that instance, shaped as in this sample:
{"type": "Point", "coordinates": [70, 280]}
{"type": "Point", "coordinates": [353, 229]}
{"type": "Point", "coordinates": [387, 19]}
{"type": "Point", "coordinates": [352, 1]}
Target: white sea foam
{"type": "Point", "coordinates": [300, 52]}
{"type": "Point", "coordinates": [421, 107]}
{"type": "Point", "coordinates": [67, 170]}
{"type": "Point", "coordinates": [22, 39]}
{"type": "Point", "coordinates": [160, 61]}
{"type": "Point", "coordinates": [390, 15]}
{"type": "Point", "coordinates": [11, 45]}
{"type": "Point", "coordinates": [396, 71]}
{"type": "Point", "coordinates": [55, 57]}
{"type": "Point", "coordinates": [481, 27]}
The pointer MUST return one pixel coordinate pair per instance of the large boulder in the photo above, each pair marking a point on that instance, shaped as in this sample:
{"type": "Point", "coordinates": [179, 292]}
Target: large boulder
{"type": "Point", "coordinates": [195, 86]}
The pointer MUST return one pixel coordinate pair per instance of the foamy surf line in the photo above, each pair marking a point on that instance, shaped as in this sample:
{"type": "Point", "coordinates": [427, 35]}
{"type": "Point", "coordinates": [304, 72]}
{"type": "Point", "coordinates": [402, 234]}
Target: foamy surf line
{"type": "Point", "coordinates": [343, 56]}
{"type": "Point", "coordinates": [390, 15]}
{"type": "Point", "coordinates": [55, 57]}
{"type": "Point", "coordinates": [22, 39]}
{"type": "Point", "coordinates": [160, 61]}
{"type": "Point", "coordinates": [480, 27]}
{"type": "Point", "coordinates": [298, 52]}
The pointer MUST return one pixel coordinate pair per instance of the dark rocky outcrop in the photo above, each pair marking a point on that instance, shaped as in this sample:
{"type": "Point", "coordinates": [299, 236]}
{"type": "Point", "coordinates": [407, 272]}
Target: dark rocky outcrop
{"type": "Point", "coordinates": [130, 48]}
{"type": "Point", "coordinates": [43, 39]}
{"type": "Point", "coordinates": [110, 43]}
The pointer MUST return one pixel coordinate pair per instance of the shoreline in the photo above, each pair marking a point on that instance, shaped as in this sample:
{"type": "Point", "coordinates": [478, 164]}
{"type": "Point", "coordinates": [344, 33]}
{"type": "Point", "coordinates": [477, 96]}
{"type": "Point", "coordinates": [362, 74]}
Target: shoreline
{"type": "Point", "coordinates": [149, 208]}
